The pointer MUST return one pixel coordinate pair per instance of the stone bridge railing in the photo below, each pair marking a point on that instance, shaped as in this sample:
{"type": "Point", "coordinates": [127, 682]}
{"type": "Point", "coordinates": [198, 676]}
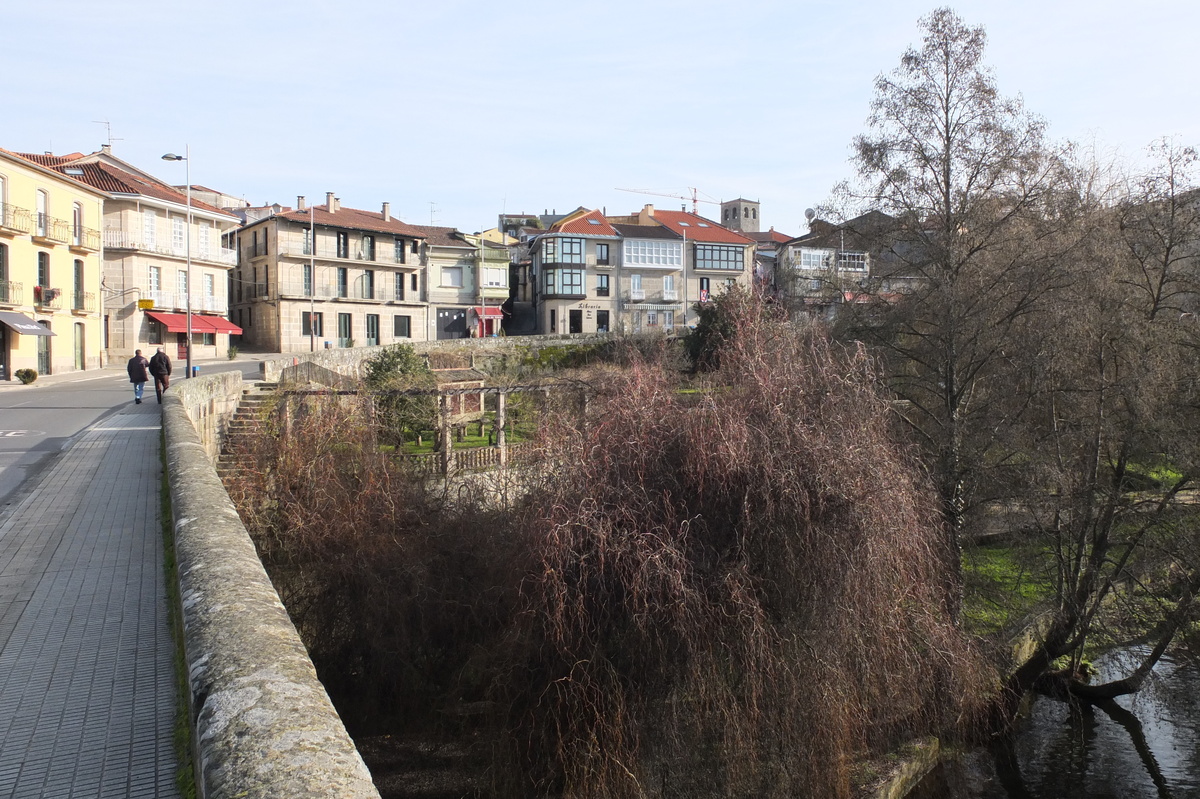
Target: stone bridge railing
{"type": "Point", "coordinates": [262, 723]}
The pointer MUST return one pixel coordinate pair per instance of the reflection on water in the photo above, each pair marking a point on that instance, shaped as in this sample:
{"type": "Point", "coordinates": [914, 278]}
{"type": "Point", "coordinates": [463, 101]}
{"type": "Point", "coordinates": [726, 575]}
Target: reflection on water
{"type": "Point", "coordinates": [1146, 745]}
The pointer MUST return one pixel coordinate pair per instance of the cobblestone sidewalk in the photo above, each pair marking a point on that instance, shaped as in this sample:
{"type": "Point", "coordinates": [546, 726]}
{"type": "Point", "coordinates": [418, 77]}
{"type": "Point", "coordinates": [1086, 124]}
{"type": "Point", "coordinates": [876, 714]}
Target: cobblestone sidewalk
{"type": "Point", "coordinates": [87, 691]}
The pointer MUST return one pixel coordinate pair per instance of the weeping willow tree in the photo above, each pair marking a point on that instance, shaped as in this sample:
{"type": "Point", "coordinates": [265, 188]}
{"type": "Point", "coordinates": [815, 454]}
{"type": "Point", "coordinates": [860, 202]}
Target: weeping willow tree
{"type": "Point", "coordinates": [741, 591]}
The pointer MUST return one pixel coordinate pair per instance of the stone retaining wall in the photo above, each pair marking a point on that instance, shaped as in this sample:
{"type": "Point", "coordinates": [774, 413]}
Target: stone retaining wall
{"type": "Point", "coordinates": [347, 361]}
{"type": "Point", "coordinates": [263, 725]}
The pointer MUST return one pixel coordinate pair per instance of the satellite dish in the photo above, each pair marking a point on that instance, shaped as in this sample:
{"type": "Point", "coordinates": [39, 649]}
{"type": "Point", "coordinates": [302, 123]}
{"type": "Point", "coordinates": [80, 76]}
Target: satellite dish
{"type": "Point", "coordinates": [810, 214]}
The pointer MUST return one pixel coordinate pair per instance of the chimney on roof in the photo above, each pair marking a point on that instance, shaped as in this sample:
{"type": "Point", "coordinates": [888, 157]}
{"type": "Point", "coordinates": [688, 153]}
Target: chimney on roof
{"type": "Point", "coordinates": [300, 206]}
{"type": "Point", "coordinates": [106, 148]}
{"type": "Point", "coordinates": [329, 202]}
{"type": "Point", "coordinates": [387, 212]}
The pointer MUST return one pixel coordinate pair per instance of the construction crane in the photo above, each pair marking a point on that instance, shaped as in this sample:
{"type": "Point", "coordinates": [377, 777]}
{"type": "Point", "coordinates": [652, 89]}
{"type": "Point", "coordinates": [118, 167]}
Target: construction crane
{"type": "Point", "coordinates": [694, 198]}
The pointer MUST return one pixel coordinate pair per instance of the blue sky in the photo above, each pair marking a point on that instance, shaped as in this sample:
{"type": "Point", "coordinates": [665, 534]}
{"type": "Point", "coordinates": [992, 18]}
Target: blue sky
{"type": "Point", "coordinates": [456, 110]}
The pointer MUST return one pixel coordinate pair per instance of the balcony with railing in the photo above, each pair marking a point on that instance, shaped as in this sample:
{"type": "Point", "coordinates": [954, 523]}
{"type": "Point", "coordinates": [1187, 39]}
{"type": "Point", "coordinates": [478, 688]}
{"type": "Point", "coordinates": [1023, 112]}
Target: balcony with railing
{"type": "Point", "coordinates": [46, 297]}
{"type": "Point", "coordinates": [50, 229]}
{"type": "Point", "coordinates": [11, 293]}
{"type": "Point", "coordinates": [169, 300]}
{"type": "Point", "coordinates": [670, 295]}
{"type": "Point", "coordinates": [85, 239]}
{"type": "Point", "coordinates": [295, 248]}
{"type": "Point", "coordinates": [14, 219]}
{"type": "Point", "coordinates": [83, 302]}
{"type": "Point", "coordinates": [637, 294]}
{"type": "Point", "coordinates": [122, 239]}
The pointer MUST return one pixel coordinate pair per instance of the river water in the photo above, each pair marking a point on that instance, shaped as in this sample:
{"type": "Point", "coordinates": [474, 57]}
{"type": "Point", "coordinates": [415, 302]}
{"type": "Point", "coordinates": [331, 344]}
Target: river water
{"type": "Point", "coordinates": [1147, 745]}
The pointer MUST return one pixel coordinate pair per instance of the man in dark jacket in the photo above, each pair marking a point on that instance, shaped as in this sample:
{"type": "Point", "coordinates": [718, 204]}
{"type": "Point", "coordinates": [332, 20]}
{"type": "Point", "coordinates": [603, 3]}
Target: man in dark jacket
{"type": "Point", "coordinates": [160, 367]}
{"type": "Point", "coordinates": [139, 373]}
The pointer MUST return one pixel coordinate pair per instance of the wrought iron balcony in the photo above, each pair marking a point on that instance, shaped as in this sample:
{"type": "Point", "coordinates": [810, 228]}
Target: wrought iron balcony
{"type": "Point", "coordinates": [46, 297]}
{"type": "Point", "coordinates": [11, 293]}
{"type": "Point", "coordinates": [85, 238]}
{"type": "Point", "coordinates": [15, 218]}
{"type": "Point", "coordinates": [52, 229]}
{"type": "Point", "coordinates": [84, 302]}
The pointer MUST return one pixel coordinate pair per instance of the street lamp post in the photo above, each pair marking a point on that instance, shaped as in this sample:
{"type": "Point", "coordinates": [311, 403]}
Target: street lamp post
{"type": "Point", "coordinates": [187, 275]}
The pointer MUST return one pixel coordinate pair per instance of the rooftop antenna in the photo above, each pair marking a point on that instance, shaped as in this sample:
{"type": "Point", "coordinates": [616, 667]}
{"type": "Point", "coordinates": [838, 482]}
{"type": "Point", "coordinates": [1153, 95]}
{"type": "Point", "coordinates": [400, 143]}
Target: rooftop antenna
{"type": "Point", "coordinates": [432, 211]}
{"type": "Point", "coordinates": [108, 128]}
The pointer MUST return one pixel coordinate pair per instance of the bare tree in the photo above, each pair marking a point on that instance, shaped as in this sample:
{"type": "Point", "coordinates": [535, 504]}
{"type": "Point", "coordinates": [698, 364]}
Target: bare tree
{"type": "Point", "coordinates": [1160, 229]}
{"type": "Point", "coordinates": [969, 174]}
{"type": "Point", "coordinates": [1109, 452]}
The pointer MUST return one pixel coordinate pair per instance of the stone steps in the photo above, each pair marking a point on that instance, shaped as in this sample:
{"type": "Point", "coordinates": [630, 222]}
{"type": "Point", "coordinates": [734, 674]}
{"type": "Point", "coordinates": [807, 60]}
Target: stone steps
{"type": "Point", "coordinates": [246, 421]}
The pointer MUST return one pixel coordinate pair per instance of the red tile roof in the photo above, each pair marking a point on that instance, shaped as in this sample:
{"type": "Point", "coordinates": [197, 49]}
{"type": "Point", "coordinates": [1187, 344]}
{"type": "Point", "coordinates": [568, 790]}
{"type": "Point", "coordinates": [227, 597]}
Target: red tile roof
{"type": "Point", "coordinates": [770, 235]}
{"type": "Point", "coordinates": [114, 180]}
{"type": "Point", "coordinates": [697, 228]}
{"type": "Point", "coordinates": [440, 236]}
{"type": "Point", "coordinates": [646, 231]}
{"type": "Point", "coordinates": [355, 219]}
{"type": "Point", "coordinates": [590, 223]}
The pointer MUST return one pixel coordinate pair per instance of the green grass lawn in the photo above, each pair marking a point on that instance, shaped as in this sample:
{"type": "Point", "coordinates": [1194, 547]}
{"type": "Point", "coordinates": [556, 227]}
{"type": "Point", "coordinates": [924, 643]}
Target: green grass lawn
{"type": "Point", "coordinates": [517, 433]}
{"type": "Point", "coordinates": [1004, 583]}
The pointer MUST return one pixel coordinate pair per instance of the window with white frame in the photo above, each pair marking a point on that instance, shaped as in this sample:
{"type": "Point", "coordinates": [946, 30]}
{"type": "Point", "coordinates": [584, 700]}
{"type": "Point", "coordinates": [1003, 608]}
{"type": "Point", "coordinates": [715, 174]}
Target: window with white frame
{"type": "Point", "coordinates": [154, 281]}
{"type": "Point", "coordinates": [668, 318]}
{"type": "Point", "coordinates": [669, 287]}
{"type": "Point", "coordinates": [181, 284]}
{"type": "Point", "coordinates": [653, 253]}
{"type": "Point", "coordinates": [717, 256]}
{"type": "Point", "coordinates": [853, 261]}
{"type": "Point", "coordinates": [149, 229]}
{"type": "Point", "coordinates": [452, 277]}
{"type": "Point", "coordinates": [635, 288]}
{"type": "Point", "coordinates": [495, 278]}
{"type": "Point", "coordinates": [813, 259]}
{"type": "Point", "coordinates": [77, 224]}
{"type": "Point", "coordinates": [205, 237]}
{"type": "Point", "coordinates": [43, 214]}
{"type": "Point", "coordinates": [178, 234]}
{"type": "Point", "coordinates": [210, 286]}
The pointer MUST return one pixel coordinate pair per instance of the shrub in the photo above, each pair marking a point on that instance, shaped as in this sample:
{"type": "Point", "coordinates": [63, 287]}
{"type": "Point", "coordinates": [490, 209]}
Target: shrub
{"type": "Point", "coordinates": [400, 416]}
{"type": "Point", "coordinates": [740, 592]}
{"type": "Point", "coordinates": [26, 376]}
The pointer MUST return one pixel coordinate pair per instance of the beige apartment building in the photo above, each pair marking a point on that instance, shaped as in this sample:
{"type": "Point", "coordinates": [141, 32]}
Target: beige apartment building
{"type": "Point", "coordinates": [150, 232]}
{"type": "Point", "coordinates": [325, 276]}
{"type": "Point", "coordinates": [50, 268]}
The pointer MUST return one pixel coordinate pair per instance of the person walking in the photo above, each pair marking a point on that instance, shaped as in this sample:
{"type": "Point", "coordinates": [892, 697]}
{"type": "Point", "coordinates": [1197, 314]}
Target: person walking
{"type": "Point", "coordinates": [160, 367]}
{"type": "Point", "coordinates": [139, 373]}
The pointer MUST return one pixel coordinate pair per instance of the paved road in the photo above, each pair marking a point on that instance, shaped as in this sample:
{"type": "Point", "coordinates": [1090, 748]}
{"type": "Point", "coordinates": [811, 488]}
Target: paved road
{"type": "Point", "coordinates": [38, 421]}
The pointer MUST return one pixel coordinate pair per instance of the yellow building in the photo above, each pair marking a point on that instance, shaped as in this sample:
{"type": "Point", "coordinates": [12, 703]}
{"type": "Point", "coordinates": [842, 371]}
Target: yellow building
{"type": "Point", "coordinates": [50, 269]}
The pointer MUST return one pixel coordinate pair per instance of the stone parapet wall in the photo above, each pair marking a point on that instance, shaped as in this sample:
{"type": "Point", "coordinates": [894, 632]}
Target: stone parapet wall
{"type": "Point", "coordinates": [348, 361]}
{"type": "Point", "coordinates": [263, 725]}
{"type": "Point", "coordinates": [209, 402]}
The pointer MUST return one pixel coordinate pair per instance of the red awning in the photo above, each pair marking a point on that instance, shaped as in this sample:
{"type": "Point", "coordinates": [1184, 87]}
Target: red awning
{"type": "Point", "coordinates": [488, 311]}
{"type": "Point", "coordinates": [201, 323]}
{"type": "Point", "coordinates": [174, 322]}
{"type": "Point", "coordinates": [218, 324]}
